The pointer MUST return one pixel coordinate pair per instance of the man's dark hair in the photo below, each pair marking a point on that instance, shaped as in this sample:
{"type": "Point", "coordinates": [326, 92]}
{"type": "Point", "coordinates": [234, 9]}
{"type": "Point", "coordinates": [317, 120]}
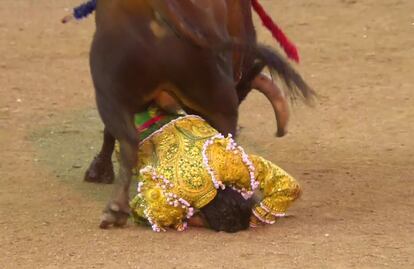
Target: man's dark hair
{"type": "Point", "coordinates": [228, 212]}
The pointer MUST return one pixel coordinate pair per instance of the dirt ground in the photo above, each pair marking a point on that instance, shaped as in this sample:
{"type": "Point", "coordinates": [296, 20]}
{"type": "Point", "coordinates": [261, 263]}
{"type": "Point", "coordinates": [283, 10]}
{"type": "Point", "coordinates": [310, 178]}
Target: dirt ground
{"type": "Point", "coordinates": [353, 153]}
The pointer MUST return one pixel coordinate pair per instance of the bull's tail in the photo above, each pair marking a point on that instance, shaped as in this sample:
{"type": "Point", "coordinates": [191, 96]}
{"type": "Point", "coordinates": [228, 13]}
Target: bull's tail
{"type": "Point", "coordinates": [296, 86]}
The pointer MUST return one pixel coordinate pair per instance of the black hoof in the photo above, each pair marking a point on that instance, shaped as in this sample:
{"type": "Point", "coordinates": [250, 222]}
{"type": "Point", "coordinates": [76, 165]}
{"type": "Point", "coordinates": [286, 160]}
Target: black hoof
{"type": "Point", "coordinates": [114, 215]}
{"type": "Point", "coordinates": [101, 170]}
{"type": "Point", "coordinates": [281, 133]}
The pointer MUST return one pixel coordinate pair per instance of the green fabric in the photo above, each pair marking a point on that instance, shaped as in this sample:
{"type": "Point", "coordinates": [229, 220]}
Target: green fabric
{"type": "Point", "coordinates": [152, 112]}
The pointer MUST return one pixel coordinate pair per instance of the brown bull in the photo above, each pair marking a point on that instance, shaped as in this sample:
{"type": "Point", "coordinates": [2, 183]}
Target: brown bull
{"type": "Point", "coordinates": [193, 49]}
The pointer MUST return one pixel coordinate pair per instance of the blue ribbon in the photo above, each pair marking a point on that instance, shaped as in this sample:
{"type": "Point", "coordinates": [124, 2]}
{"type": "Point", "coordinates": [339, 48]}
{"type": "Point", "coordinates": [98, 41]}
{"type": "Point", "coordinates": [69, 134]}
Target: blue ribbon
{"type": "Point", "coordinates": [84, 10]}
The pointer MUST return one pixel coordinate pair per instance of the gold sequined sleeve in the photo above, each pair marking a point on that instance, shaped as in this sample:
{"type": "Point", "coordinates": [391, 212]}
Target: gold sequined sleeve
{"type": "Point", "coordinates": [278, 188]}
{"type": "Point", "coordinates": [156, 206]}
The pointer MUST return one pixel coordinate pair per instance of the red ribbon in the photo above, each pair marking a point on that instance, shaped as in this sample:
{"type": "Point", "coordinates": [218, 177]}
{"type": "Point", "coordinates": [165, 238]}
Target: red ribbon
{"type": "Point", "coordinates": [149, 123]}
{"type": "Point", "coordinates": [289, 48]}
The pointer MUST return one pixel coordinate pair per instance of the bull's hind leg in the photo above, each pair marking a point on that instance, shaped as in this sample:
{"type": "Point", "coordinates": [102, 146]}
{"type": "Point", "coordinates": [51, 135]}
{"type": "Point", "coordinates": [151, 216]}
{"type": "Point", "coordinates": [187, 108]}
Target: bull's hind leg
{"type": "Point", "coordinates": [101, 169]}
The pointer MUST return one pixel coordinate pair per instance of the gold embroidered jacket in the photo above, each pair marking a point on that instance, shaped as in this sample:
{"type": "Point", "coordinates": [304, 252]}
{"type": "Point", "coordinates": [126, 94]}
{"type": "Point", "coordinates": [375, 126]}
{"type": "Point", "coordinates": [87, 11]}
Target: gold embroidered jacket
{"type": "Point", "coordinates": [182, 164]}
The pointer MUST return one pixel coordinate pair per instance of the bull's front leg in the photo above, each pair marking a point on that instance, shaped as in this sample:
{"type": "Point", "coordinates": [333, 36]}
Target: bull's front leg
{"type": "Point", "coordinates": [117, 210]}
{"type": "Point", "coordinates": [120, 122]}
{"type": "Point", "coordinates": [101, 169]}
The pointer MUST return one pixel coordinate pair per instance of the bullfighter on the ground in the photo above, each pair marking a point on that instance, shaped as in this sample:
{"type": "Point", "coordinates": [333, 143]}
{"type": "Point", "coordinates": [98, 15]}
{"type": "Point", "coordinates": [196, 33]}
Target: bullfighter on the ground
{"type": "Point", "coordinates": [184, 162]}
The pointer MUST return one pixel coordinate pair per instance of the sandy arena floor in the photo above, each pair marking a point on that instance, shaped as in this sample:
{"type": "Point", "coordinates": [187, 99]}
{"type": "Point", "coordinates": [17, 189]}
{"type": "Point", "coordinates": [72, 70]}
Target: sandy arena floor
{"type": "Point", "coordinates": [353, 153]}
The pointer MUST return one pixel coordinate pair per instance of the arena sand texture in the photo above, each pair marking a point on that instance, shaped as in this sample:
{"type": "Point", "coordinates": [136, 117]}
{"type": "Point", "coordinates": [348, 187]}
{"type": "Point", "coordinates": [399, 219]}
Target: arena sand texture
{"type": "Point", "coordinates": [353, 153]}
